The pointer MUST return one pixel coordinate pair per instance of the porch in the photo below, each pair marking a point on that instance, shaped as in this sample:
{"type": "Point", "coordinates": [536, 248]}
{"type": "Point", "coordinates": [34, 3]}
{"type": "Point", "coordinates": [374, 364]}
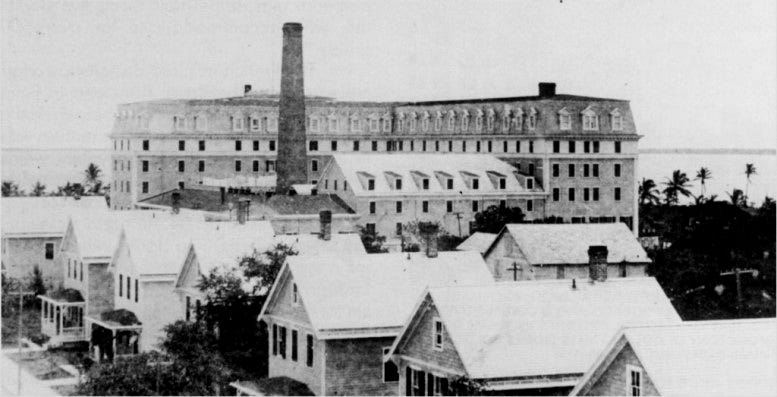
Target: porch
{"type": "Point", "coordinates": [62, 316]}
{"type": "Point", "coordinates": [114, 335]}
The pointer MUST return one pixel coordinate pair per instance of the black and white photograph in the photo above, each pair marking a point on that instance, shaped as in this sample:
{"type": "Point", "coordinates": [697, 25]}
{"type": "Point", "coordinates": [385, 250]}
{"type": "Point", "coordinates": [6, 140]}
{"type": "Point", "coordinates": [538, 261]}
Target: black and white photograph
{"type": "Point", "coordinates": [388, 198]}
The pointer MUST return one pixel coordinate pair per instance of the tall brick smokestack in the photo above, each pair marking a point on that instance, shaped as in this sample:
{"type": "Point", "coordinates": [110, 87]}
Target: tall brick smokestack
{"type": "Point", "coordinates": [292, 162]}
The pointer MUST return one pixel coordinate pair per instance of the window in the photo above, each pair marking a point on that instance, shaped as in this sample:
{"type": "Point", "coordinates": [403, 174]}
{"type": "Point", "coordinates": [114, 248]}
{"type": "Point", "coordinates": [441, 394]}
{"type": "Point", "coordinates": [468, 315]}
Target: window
{"type": "Point", "coordinates": [49, 250]}
{"type": "Point", "coordinates": [530, 183]}
{"type": "Point", "coordinates": [504, 147]}
{"type": "Point", "coordinates": [586, 170]}
{"type": "Point", "coordinates": [634, 375]}
{"type": "Point", "coordinates": [585, 194]}
{"type": "Point", "coordinates": [255, 126]}
{"type": "Point", "coordinates": [68, 268]}
{"type": "Point", "coordinates": [531, 146]}
{"type": "Point", "coordinates": [313, 146]}
{"type": "Point", "coordinates": [372, 207]}
{"type": "Point", "coordinates": [309, 351]}
{"type": "Point", "coordinates": [129, 284]}
{"type": "Point", "coordinates": [425, 184]}
{"type": "Point", "coordinates": [399, 207]}
{"type": "Point", "coordinates": [490, 146]}
{"type": "Point", "coordinates": [121, 283]}
{"type": "Point", "coordinates": [425, 207]}
{"type": "Point", "coordinates": [370, 228]}
{"type": "Point", "coordinates": [145, 145]}
{"type": "Point", "coordinates": [571, 194]}
{"type": "Point", "coordinates": [556, 194]}
{"type": "Point", "coordinates": [617, 146]}
{"type": "Point", "coordinates": [617, 194]}
{"type": "Point", "coordinates": [398, 184]}
{"type": "Point", "coordinates": [474, 206]}
{"type": "Point", "coordinates": [313, 165]}
{"type": "Point", "coordinates": [423, 146]}
{"type": "Point", "coordinates": [374, 146]}
{"type": "Point", "coordinates": [180, 185]}
{"type": "Point", "coordinates": [450, 146]}
{"type": "Point", "coordinates": [294, 345]}
{"type": "Point", "coordinates": [617, 120]}
{"type": "Point", "coordinates": [238, 146]}
{"type": "Point", "coordinates": [282, 343]}
{"type": "Point", "coordinates": [437, 337]}
{"type": "Point", "coordinates": [596, 170]}
{"type": "Point", "coordinates": [587, 147]}
{"type": "Point", "coordinates": [269, 166]}
{"type": "Point", "coordinates": [144, 187]}
{"type": "Point", "coordinates": [256, 146]}
{"type": "Point", "coordinates": [356, 124]}
{"type": "Point", "coordinates": [475, 184]}
{"type": "Point", "coordinates": [136, 286]}
{"type": "Point", "coordinates": [255, 166]}
{"type": "Point", "coordinates": [449, 183]}
{"type": "Point", "coordinates": [75, 270]}
{"type": "Point", "coordinates": [564, 120]}
{"type": "Point", "coordinates": [181, 166]}
{"type": "Point", "coordinates": [571, 170]}
{"type": "Point", "coordinates": [202, 146]}
{"type": "Point", "coordinates": [398, 230]}
{"type": "Point", "coordinates": [517, 146]}
{"type": "Point", "coordinates": [355, 146]}
{"type": "Point", "coordinates": [181, 146]}
{"type": "Point", "coordinates": [532, 121]}
{"type": "Point", "coordinates": [390, 370]}
{"type": "Point", "coordinates": [502, 183]}
{"type": "Point", "coordinates": [201, 166]}
{"type": "Point", "coordinates": [556, 170]}
{"type": "Point", "coordinates": [596, 146]}
{"type": "Point", "coordinates": [386, 124]}
{"type": "Point", "coordinates": [370, 184]}
{"type": "Point", "coordinates": [529, 205]}
{"type": "Point", "coordinates": [477, 146]}
{"type": "Point", "coordinates": [449, 206]}
{"type": "Point", "coordinates": [571, 146]}
{"type": "Point", "coordinates": [436, 146]}
{"type": "Point", "coordinates": [237, 123]}
{"type": "Point", "coordinates": [333, 124]}
{"type": "Point", "coordinates": [274, 333]}
{"type": "Point", "coordinates": [238, 165]}
{"type": "Point", "coordinates": [616, 170]}
{"type": "Point", "coordinates": [334, 146]}
{"type": "Point", "coordinates": [590, 121]}
{"type": "Point", "coordinates": [335, 185]}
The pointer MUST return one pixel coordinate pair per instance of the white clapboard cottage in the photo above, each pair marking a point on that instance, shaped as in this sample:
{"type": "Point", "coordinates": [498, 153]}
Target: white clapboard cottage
{"type": "Point", "coordinates": [332, 318]}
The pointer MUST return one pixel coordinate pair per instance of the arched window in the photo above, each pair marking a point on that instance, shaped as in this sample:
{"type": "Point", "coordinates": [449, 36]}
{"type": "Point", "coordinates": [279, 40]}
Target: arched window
{"type": "Point", "coordinates": [465, 121]}
{"type": "Point", "coordinates": [451, 120]}
{"type": "Point", "coordinates": [400, 122]}
{"type": "Point", "coordinates": [356, 125]}
{"type": "Point", "coordinates": [518, 119]}
{"type": "Point", "coordinates": [616, 120]}
{"type": "Point", "coordinates": [532, 118]}
{"type": "Point", "coordinates": [413, 122]}
{"type": "Point", "coordinates": [590, 119]}
{"type": "Point", "coordinates": [334, 125]}
{"type": "Point", "coordinates": [490, 120]}
{"type": "Point", "coordinates": [564, 120]}
{"type": "Point", "coordinates": [479, 121]}
{"type": "Point", "coordinates": [425, 122]}
{"type": "Point", "coordinates": [438, 121]}
{"type": "Point", "coordinates": [387, 123]}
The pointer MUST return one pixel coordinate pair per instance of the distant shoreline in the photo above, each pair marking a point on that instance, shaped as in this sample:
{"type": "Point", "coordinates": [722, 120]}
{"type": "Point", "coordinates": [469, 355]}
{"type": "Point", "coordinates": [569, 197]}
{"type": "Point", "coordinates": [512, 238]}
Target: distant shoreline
{"type": "Point", "coordinates": [641, 151]}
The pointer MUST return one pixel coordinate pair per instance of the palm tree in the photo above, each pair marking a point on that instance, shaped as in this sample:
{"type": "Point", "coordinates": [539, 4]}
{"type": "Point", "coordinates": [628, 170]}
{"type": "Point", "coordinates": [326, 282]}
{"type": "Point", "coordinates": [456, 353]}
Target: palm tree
{"type": "Point", "coordinates": [677, 185]}
{"type": "Point", "coordinates": [737, 198]}
{"type": "Point", "coordinates": [749, 171]}
{"type": "Point", "coordinates": [92, 177]}
{"type": "Point", "coordinates": [648, 192]}
{"type": "Point", "coordinates": [38, 189]}
{"type": "Point", "coordinates": [10, 189]}
{"type": "Point", "coordinates": [703, 175]}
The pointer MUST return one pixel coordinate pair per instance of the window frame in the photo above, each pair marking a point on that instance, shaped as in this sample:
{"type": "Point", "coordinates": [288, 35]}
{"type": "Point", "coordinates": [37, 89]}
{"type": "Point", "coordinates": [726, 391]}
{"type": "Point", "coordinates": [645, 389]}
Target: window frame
{"type": "Point", "coordinates": [437, 333]}
{"type": "Point", "coordinates": [630, 371]}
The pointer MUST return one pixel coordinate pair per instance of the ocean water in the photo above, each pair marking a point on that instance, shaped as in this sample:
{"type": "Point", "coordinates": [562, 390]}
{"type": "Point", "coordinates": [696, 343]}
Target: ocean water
{"type": "Point", "coordinates": [56, 167]}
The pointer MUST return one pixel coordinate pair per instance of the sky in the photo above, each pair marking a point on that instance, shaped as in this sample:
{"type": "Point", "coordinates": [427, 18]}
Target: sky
{"type": "Point", "coordinates": [699, 74]}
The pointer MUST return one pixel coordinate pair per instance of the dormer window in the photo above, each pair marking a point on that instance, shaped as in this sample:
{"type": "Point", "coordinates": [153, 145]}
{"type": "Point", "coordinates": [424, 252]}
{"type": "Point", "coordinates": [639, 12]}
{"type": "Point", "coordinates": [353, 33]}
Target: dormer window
{"type": "Point", "coordinates": [479, 121]}
{"type": "Point", "coordinates": [238, 123]}
{"type": "Point", "coordinates": [200, 122]}
{"type": "Point", "coordinates": [590, 120]}
{"type": "Point", "coordinates": [394, 180]}
{"type": "Point", "coordinates": [256, 123]}
{"type": "Point", "coordinates": [616, 120]}
{"type": "Point", "coordinates": [518, 119]}
{"type": "Point", "coordinates": [273, 124]}
{"type": "Point", "coordinates": [356, 125]}
{"type": "Point", "coordinates": [564, 120]}
{"type": "Point", "coordinates": [294, 295]}
{"type": "Point", "coordinates": [180, 123]}
{"type": "Point", "coordinates": [471, 180]}
{"type": "Point", "coordinates": [314, 124]}
{"type": "Point", "coordinates": [387, 123]}
{"type": "Point", "coordinates": [425, 122]}
{"type": "Point", "coordinates": [505, 122]}
{"type": "Point", "coordinates": [413, 121]}
{"type": "Point", "coordinates": [333, 123]}
{"type": "Point", "coordinates": [498, 180]}
{"type": "Point", "coordinates": [438, 121]}
{"type": "Point", "coordinates": [367, 180]}
{"type": "Point", "coordinates": [400, 123]}
{"type": "Point", "coordinates": [374, 125]}
{"type": "Point", "coordinates": [490, 120]}
{"type": "Point", "coordinates": [465, 121]}
{"type": "Point", "coordinates": [532, 119]}
{"type": "Point", "coordinates": [451, 120]}
{"type": "Point", "coordinates": [445, 179]}
{"type": "Point", "coordinates": [370, 184]}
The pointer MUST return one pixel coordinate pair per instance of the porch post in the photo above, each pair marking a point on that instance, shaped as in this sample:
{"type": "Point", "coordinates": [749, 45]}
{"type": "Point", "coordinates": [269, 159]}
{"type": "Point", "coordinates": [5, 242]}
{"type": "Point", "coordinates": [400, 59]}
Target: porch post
{"type": "Point", "coordinates": [60, 317]}
{"type": "Point", "coordinates": [113, 341]}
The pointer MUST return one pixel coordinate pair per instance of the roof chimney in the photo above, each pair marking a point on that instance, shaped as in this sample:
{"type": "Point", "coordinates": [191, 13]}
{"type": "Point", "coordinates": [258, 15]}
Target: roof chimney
{"type": "Point", "coordinates": [291, 163]}
{"type": "Point", "coordinates": [547, 90]}
{"type": "Point", "coordinates": [597, 262]}
{"type": "Point", "coordinates": [246, 88]}
{"type": "Point", "coordinates": [428, 232]}
{"type": "Point", "coordinates": [325, 219]}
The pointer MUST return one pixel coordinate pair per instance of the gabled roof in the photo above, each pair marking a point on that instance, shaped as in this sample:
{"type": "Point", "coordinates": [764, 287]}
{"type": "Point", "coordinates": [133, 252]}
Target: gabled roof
{"type": "Point", "coordinates": [478, 242]}
{"type": "Point", "coordinates": [344, 294]}
{"type": "Point", "coordinates": [715, 358]}
{"type": "Point", "coordinates": [97, 233]}
{"type": "Point", "coordinates": [539, 328]}
{"type": "Point", "coordinates": [44, 216]}
{"type": "Point", "coordinates": [454, 165]}
{"type": "Point", "coordinates": [544, 244]}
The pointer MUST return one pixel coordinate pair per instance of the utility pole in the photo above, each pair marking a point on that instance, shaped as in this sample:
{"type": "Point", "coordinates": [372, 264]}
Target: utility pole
{"type": "Point", "coordinates": [19, 339]}
{"type": "Point", "coordinates": [737, 272]}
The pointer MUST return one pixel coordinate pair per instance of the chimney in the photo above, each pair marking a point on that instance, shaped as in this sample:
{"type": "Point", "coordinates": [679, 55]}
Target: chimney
{"type": "Point", "coordinates": [291, 163]}
{"type": "Point", "coordinates": [547, 90]}
{"type": "Point", "coordinates": [246, 89]}
{"type": "Point", "coordinates": [242, 210]}
{"type": "Point", "coordinates": [325, 218]}
{"type": "Point", "coordinates": [428, 232]}
{"type": "Point", "coordinates": [597, 262]}
{"type": "Point", "coordinates": [176, 197]}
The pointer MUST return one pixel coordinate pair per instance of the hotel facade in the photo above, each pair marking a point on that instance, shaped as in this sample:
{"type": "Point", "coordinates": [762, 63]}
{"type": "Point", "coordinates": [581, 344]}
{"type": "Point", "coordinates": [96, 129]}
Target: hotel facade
{"type": "Point", "coordinates": [581, 152]}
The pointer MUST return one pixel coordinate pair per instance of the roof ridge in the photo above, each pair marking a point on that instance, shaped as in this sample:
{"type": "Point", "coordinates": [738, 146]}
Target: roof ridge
{"type": "Point", "coordinates": [706, 323]}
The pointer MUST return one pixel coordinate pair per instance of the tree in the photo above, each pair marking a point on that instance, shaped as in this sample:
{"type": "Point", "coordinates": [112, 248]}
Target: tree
{"type": "Point", "coordinates": [749, 172]}
{"type": "Point", "coordinates": [11, 189]}
{"type": "Point", "coordinates": [737, 198]}
{"type": "Point", "coordinates": [703, 175]}
{"type": "Point", "coordinates": [37, 286]}
{"type": "Point", "coordinates": [264, 266]}
{"type": "Point", "coordinates": [648, 192]}
{"type": "Point", "coordinates": [494, 218]}
{"type": "Point", "coordinates": [676, 186]}
{"type": "Point", "coordinates": [92, 178]}
{"type": "Point", "coordinates": [372, 241]}
{"type": "Point", "coordinates": [194, 350]}
{"type": "Point", "coordinates": [38, 189]}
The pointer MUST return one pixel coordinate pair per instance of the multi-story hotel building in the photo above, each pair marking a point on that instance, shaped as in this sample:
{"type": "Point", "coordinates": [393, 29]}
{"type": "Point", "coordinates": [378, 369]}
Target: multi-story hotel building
{"type": "Point", "coordinates": [581, 151]}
